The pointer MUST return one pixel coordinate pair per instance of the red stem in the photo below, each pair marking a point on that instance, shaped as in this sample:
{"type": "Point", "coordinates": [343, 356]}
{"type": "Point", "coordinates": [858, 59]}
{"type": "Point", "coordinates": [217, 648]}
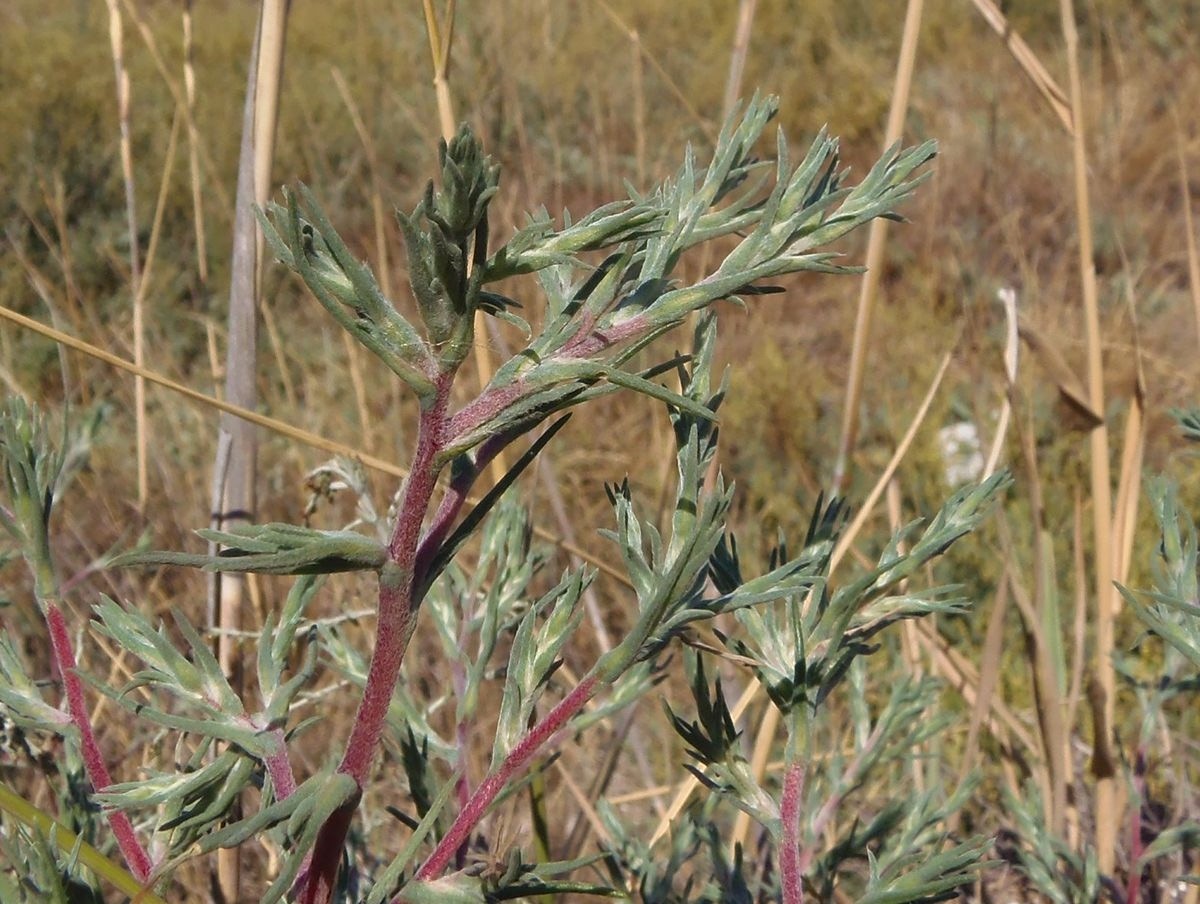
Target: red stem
{"type": "Point", "coordinates": [279, 767]}
{"type": "Point", "coordinates": [790, 871]}
{"type": "Point", "coordinates": [397, 620]}
{"type": "Point", "coordinates": [1134, 887]}
{"type": "Point", "coordinates": [586, 343]}
{"type": "Point", "coordinates": [135, 855]}
{"type": "Point", "coordinates": [520, 756]}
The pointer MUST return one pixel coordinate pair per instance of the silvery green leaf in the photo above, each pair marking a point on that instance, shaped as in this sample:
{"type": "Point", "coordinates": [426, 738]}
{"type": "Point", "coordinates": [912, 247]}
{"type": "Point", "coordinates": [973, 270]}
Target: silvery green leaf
{"type": "Point", "coordinates": [456, 888]}
{"type": "Point", "coordinates": [196, 679]}
{"type": "Point", "coordinates": [158, 787]}
{"type": "Point", "coordinates": [1189, 421]}
{"type": "Point", "coordinates": [541, 635]}
{"type": "Point", "coordinates": [21, 698]}
{"type": "Point", "coordinates": [275, 549]}
{"type": "Point", "coordinates": [277, 640]}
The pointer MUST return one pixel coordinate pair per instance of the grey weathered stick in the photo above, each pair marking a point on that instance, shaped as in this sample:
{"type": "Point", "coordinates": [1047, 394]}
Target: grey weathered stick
{"type": "Point", "coordinates": [233, 478]}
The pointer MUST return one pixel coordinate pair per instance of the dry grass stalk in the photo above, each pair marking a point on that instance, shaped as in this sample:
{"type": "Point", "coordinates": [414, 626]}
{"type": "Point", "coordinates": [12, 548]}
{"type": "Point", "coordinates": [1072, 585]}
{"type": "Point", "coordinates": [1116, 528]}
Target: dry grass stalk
{"type": "Point", "coordinates": [116, 34]}
{"type": "Point", "coordinates": [639, 106]}
{"type": "Point", "coordinates": [189, 112]}
{"type": "Point", "coordinates": [1129, 480]}
{"type": "Point", "coordinates": [378, 210]}
{"type": "Point", "coordinates": [1107, 812]}
{"type": "Point", "coordinates": [867, 508]}
{"type": "Point", "coordinates": [876, 242]}
{"type": "Point", "coordinates": [1008, 298]}
{"type": "Point", "coordinates": [382, 243]}
{"type": "Point", "coordinates": [214, 184]}
{"type": "Point", "coordinates": [160, 207]}
{"type": "Point", "coordinates": [1044, 645]}
{"type": "Point", "coordinates": [672, 85]}
{"type": "Point", "coordinates": [266, 118]}
{"type": "Point", "coordinates": [1193, 255]}
{"type": "Point", "coordinates": [990, 659]}
{"type": "Point", "coordinates": [283, 428]}
{"type": "Point", "coordinates": [234, 474]}
{"type": "Point", "coordinates": [737, 57]}
{"type": "Point", "coordinates": [441, 40]}
{"type": "Point", "coordinates": [1028, 61]}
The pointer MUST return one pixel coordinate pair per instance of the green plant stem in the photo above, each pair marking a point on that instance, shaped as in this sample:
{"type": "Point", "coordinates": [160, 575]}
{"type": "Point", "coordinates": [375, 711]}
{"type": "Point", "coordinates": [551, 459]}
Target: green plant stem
{"type": "Point", "coordinates": [70, 843]}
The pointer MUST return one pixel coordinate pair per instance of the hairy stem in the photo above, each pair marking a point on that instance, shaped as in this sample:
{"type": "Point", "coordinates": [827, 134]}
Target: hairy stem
{"type": "Point", "coordinates": [279, 767]}
{"type": "Point", "coordinates": [397, 620]}
{"type": "Point", "coordinates": [525, 750]}
{"type": "Point", "coordinates": [135, 855]}
{"type": "Point", "coordinates": [789, 844]}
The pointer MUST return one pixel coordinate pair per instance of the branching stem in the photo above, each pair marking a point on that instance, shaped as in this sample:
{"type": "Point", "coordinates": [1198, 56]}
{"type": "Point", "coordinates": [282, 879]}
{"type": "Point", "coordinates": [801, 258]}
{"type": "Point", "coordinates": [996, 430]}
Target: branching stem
{"type": "Point", "coordinates": [397, 620]}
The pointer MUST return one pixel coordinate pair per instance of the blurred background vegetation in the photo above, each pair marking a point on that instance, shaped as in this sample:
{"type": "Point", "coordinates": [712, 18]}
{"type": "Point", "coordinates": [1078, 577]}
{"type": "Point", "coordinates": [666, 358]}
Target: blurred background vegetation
{"type": "Point", "coordinates": [576, 99]}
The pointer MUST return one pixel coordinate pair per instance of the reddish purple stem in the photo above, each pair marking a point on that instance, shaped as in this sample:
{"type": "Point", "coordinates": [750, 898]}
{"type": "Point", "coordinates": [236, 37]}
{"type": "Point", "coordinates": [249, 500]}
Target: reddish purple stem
{"type": "Point", "coordinates": [1133, 889]}
{"type": "Point", "coordinates": [135, 855]}
{"type": "Point", "coordinates": [520, 756]}
{"type": "Point", "coordinates": [585, 343]}
{"type": "Point", "coordinates": [790, 871]}
{"type": "Point", "coordinates": [397, 619]}
{"type": "Point", "coordinates": [279, 767]}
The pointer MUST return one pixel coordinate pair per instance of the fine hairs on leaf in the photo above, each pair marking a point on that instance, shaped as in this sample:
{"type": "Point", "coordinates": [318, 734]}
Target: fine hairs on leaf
{"type": "Point", "coordinates": [505, 629]}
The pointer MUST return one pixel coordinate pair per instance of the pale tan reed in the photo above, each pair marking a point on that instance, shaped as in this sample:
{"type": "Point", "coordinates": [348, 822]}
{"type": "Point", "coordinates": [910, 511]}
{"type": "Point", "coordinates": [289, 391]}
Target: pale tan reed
{"type": "Point", "coordinates": [116, 35]}
{"type": "Point", "coordinates": [1107, 812]}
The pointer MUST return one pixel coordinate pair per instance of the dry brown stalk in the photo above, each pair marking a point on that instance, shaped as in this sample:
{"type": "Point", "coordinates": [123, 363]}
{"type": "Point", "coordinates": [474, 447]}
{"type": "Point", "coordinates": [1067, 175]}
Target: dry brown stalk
{"type": "Point", "coordinates": [876, 243]}
{"type": "Point", "coordinates": [737, 56]}
{"type": "Point", "coordinates": [441, 40]}
{"type": "Point", "coordinates": [1193, 255]}
{"type": "Point", "coordinates": [1028, 61]}
{"type": "Point", "coordinates": [673, 86]}
{"type": "Point", "coordinates": [225, 203]}
{"type": "Point", "coordinates": [189, 89]}
{"type": "Point", "coordinates": [1107, 811]}
{"type": "Point", "coordinates": [116, 36]}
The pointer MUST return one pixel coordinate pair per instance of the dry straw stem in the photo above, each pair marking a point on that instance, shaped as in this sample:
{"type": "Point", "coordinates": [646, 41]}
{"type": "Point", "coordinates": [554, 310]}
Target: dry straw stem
{"type": "Point", "coordinates": [189, 113]}
{"type": "Point", "coordinates": [1133, 447]}
{"type": "Point", "coordinates": [1189, 229]}
{"type": "Point", "coordinates": [235, 466]}
{"type": "Point", "coordinates": [876, 242]}
{"type": "Point", "coordinates": [737, 59]}
{"type": "Point", "coordinates": [159, 209]}
{"type": "Point", "coordinates": [1043, 633]}
{"type": "Point", "coordinates": [1028, 61]}
{"type": "Point", "coordinates": [353, 350]}
{"type": "Point", "coordinates": [989, 675]}
{"type": "Point", "coordinates": [224, 202]}
{"type": "Point", "coordinates": [705, 126]}
{"type": "Point", "coordinates": [1008, 298]}
{"type": "Point", "coordinates": [1107, 812]}
{"type": "Point", "coordinates": [765, 734]}
{"type": "Point", "coordinates": [305, 437]}
{"type": "Point", "coordinates": [117, 42]}
{"type": "Point", "coordinates": [268, 88]}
